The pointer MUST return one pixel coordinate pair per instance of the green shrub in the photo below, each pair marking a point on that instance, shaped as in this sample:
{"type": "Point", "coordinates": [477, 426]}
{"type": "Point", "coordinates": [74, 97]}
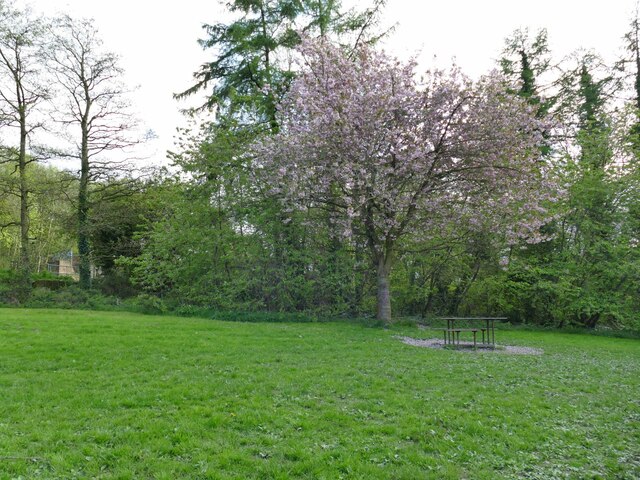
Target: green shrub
{"type": "Point", "coordinates": [53, 283]}
{"type": "Point", "coordinates": [9, 288]}
{"type": "Point", "coordinates": [145, 303]}
{"type": "Point", "coordinates": [115, 283]}
{"type": "Point", "coordinates": [9, 294]}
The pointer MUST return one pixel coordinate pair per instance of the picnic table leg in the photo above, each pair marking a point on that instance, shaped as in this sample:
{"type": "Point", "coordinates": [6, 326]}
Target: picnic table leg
{"type": "Point", "coordinates": [445, 337]}
{"type": "Point", "coordinates": [483, 336]}
{"type": "Point", "coordinates": [488, 333]}
{"type": "Point", "coordinates": [493, 333]}
{"type": "Point", "coordinates": [474, 339]}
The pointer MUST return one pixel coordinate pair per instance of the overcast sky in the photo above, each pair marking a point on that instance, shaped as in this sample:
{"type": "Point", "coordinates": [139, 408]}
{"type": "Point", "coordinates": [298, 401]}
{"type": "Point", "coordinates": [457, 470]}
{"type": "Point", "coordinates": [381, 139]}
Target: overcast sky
{"type": "Point", "coordinates": [158, 40]}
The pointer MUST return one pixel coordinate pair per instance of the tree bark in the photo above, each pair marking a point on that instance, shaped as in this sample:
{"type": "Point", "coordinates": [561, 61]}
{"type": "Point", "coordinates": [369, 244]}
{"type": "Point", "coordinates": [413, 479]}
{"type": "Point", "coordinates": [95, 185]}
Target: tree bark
{"type": "Point", "coordinates": [83, 213]}
{"type": "Point", "coordinates": [25, 257]}
{"type": "Point", "coordinates": [83, 242]}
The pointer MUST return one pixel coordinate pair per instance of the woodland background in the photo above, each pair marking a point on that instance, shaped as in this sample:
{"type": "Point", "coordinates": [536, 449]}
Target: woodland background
{"type": "Point", "coordinates": [205, 235]}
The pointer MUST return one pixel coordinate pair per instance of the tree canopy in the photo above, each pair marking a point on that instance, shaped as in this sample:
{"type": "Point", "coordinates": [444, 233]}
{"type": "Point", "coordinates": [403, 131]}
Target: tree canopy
{"type": "Point", "coordinates": [391, 156]}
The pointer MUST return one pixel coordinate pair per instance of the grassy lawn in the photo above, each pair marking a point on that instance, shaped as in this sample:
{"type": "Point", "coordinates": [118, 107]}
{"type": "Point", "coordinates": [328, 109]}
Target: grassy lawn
{"type": "Point", "coordinates": [116, 395]}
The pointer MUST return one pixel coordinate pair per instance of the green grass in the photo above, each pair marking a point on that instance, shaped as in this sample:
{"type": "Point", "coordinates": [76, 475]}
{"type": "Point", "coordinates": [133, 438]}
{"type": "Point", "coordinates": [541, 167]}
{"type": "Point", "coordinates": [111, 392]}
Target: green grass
{"type": "Point", "coordinates": [117, 395]}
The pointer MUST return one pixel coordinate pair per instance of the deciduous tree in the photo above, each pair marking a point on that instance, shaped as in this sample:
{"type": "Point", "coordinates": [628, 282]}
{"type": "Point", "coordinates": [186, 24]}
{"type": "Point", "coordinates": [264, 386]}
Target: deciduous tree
{"type": "Point", "coordinates": [23, 90]}
{"type": "Point", "coordinates": [94, 111]}
{"type": "Point", "coordinates": [391, 156]}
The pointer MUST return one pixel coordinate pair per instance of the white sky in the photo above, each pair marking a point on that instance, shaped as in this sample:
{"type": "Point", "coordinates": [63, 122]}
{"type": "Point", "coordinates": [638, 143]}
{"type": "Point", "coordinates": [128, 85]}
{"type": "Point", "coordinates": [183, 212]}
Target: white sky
{"type": "Point", "coordinates": [157, 39]}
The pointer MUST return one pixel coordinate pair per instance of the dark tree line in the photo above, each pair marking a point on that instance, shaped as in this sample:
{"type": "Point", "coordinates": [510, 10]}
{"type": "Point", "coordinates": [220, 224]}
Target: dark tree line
{"type": "Point", "coordinates": [217, 233]}
{"type": "Point", "coordinates": [243, 249]}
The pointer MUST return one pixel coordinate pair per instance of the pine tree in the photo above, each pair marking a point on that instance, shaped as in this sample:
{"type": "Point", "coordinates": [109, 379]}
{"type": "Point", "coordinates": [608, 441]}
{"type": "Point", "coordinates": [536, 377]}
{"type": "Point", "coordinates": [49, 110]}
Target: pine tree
{"type": "Point", "coordinates": [251, 70]}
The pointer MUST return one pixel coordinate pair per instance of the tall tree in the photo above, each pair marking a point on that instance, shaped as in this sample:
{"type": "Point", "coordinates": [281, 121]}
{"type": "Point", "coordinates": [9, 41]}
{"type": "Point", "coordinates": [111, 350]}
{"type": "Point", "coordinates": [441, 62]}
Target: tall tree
{"type": "Point", "coordinates": [247, 79]}
{"type": "Point", "coordinates": [632, 47]}
{"type": "Point", "coordinates": [22, 92]}
{"type": "Point", "coordinates": [95, 111]}
{"type": "Point", "coordinates": [251, 70]}
{"type": "Point", "coordinates": [592, 117]}
{"type": "Point", "coordinates": [592, 243]}
{"type": "Point", "coordinates": [524, 60]}
{"type": "Point", "coordinates": [245, 71]}
{"type": "Point", "coordinates": [630, 67]}
{"type": "Point", "coordinates": [587, 86]}
{"type": "Point", "coordinates": [581, 276]}
{"type": "Point", "coordinates": [351, 28]}
{"type": "Point", "coordinates": [392, 157]}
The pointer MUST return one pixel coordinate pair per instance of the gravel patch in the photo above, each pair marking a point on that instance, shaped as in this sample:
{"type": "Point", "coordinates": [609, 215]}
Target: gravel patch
{"type": "Point", "coordinates": [438, 343]}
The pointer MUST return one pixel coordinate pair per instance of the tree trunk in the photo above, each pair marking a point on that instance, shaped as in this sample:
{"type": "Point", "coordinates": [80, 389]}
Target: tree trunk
{"type": "Point", "coordinates": [83, 244]}
{"type": "Point", "coordinates": [25, 257]}
{"type": "Point", "coordinates": [83, 214]}
{"type": "Point", "coordinates": [384, 292]}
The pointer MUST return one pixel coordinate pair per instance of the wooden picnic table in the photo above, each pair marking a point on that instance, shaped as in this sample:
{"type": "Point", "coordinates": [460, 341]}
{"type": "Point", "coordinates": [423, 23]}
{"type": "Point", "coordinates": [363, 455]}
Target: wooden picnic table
{"type": "Point", "coordinates": [485, 325]}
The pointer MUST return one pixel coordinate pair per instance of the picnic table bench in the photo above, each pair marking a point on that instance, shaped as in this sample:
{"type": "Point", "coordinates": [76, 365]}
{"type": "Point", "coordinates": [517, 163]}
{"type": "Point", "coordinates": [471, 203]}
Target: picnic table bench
{"type": "Point", "coordinates": [485, 325]}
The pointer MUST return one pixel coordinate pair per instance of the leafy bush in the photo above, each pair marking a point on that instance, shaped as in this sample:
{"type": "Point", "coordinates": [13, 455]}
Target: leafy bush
{"type": "Point", "coordinates": [145, 303]}
{"type": "Point", "coordinates": [53, 283]}
{"type": "Point", "coordinates": [115, 283]}
{"type": "Point", "coordinates": [9, 288]}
